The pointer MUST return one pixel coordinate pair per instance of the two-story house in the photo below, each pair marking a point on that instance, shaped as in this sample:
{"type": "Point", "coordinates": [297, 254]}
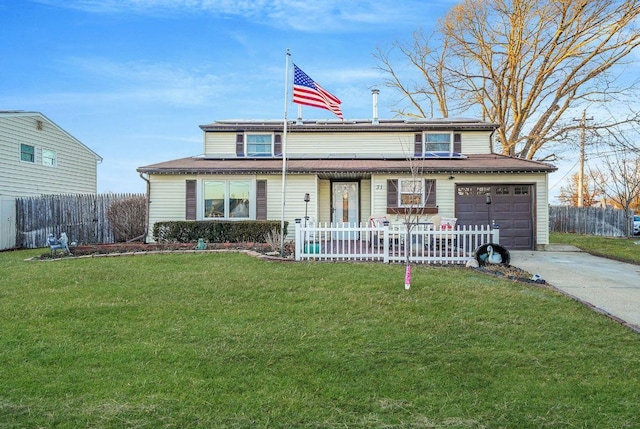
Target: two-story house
{"type": "Point", "coordinates": [352, 171]}
{"type": "Point", "coordinates": [37, 157]}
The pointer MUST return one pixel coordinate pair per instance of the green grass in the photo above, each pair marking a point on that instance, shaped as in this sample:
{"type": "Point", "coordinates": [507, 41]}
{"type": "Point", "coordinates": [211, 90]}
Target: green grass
{"type": "Point", "coordinates": [621, 249]}
{"type": "Point", "coordinates": [226, 340]}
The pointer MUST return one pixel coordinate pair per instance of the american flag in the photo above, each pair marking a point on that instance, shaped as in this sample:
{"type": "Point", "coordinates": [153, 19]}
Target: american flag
{"type": "Point", "coordinates": [309, 93]}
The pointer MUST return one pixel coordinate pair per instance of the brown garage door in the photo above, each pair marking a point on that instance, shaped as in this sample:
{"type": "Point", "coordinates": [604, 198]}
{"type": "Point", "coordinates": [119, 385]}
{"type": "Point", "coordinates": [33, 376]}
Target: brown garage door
{"type": "Point", "coordinates": [511, 207]}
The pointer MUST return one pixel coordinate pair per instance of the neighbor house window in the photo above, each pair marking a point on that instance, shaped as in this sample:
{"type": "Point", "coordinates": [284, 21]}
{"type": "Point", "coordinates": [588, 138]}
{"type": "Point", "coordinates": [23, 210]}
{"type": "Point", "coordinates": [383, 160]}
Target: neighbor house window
{"type": "Point", "coordinates": [438, 142]}
{"type": "Point", "coordinates": [259, 145]}
{"type": "Point", "coordinates": [27, 153]}
{"type": "Point", "coordinates": [227, 199]}
{"type": "Point", "coordinates": [411, 193]}
{"type": "Point", "coordinates": [49, 157]}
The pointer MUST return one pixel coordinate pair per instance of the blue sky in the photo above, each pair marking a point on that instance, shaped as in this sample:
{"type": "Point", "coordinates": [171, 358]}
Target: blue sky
{"type": "Point", "coordinates": [134, 79]}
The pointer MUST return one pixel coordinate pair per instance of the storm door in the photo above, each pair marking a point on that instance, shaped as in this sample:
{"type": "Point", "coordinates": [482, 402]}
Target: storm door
{"type": "Point", "coordinates": [345, 204]}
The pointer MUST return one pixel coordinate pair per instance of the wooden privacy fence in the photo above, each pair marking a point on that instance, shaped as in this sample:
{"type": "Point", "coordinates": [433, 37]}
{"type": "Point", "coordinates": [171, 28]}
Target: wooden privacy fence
{"type": "Point", "coordinates": [83, 217]}
{"type": "Point", "coordinates": [600, 221]}
{"type": "Point", "coordinates": [391, 243]}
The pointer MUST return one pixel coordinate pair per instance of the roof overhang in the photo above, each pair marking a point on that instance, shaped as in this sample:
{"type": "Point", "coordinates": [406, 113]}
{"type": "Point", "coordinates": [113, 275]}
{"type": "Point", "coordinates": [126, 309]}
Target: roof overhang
{"type": "Point", "coordinates": [349, 168]}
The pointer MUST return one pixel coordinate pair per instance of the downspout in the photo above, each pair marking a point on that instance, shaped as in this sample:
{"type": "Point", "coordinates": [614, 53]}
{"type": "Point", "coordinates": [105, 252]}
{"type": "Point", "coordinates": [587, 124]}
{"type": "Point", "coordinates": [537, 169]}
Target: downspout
{"type": "Point", "coordinates": [491, 141]}
{"type": "Point", "coordinates": [146, 218]}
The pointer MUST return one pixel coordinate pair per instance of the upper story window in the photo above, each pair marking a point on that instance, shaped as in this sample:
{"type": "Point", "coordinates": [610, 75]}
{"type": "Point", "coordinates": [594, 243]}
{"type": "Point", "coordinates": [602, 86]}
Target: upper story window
{"type": "Point", "coordinates": [27, 153]}
{"type": "Point", "coordinates": [438, 142]}
{"type": "Point", "coordinates": [49, 157]}
{"type": "Point", "coordinates": [259, 145]}
{"type": "Point", "coordinates": [227, 199]}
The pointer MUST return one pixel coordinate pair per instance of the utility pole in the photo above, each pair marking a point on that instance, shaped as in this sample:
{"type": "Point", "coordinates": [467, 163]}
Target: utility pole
{"type": "Point", "coordinates": [583, 126]}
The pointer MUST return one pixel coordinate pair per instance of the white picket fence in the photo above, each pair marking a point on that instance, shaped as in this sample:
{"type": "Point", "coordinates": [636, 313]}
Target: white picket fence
{"type": "Point", "coordinates": [391, 243]}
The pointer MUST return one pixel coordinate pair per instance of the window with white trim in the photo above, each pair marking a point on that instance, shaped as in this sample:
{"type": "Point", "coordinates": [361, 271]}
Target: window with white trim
{"type": "Point", "coordinates": [438, 142]}
{"type": "Point", "coordinates": [27, 153]}
{"type": "Point", "coordinates": [227, 199]}
{"type": "Point", "coordinates": [49, 157]}
{"type": "Point", "coordinates": [411, 193]}
{"type": "Point", "coordinates": [259, 145]}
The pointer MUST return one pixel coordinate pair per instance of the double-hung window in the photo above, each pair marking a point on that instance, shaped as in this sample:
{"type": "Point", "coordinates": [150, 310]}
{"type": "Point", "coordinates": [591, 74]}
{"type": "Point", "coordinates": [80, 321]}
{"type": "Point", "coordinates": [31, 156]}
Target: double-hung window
{"type": "Point", "coordinates": [259, 145]}
{"type": "Point", "coordinates": [27, 153]}
{"type": "Point", "coordinates": [49, 157]}
{"type": "Point", "coordinates": [411, 193]}
{"type": "Point", "coordinates": [438, 142]}
{"type": "Point", "coordinates": [227, 199]}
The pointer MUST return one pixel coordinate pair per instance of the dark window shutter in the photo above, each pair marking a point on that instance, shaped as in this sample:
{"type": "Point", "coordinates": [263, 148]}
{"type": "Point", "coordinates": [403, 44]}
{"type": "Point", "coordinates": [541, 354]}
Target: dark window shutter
{"type": "Point", "coordinates": [392, 193]}
{"type": "Point", "coordinates": [457, 143]}
{"type": "Point", "coordinates": [417, 145]}
{"type": "Point", "coordinates": [191, 200]}
{"type": "Point", "coordinates": [430, 193]}
{"type": "Point", "coordinates": [277, 145]}
{"type": "Point", "coordinates": [239, 144]}
{"type": "Point", "coordinates": [261, 200]}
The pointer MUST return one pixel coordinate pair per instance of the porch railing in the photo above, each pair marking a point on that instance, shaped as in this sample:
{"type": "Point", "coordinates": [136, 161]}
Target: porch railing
{"type": "Point", "coordinates": [390, 243]}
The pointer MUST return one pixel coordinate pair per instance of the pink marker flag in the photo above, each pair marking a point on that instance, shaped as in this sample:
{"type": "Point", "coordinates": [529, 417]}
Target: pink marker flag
{"type": "Point", "coordinates": [407, 277]}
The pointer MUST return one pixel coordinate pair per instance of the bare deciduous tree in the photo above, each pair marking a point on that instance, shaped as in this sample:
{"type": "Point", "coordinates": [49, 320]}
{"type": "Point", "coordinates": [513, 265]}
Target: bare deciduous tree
{"type": "Point", "coordinates": [526, 65]}
{"type": "Point", "coordinates": [619, 180]}
{"type": "Point", "coordinates": [591, 193]}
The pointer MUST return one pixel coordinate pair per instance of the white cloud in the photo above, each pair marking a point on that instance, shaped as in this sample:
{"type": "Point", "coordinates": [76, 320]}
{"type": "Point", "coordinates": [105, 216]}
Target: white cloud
{"type": "Point", "coordinates": [310, 16]}
{"type": "Point", "coordinates": [152, 82]}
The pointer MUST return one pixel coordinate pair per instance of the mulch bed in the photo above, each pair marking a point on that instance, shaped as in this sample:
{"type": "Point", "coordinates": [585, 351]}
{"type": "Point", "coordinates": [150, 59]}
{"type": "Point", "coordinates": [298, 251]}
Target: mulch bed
{"type": "Point", "coordinates": [138, 247]}
{"type": "Point", "coordinates": [510, 272]}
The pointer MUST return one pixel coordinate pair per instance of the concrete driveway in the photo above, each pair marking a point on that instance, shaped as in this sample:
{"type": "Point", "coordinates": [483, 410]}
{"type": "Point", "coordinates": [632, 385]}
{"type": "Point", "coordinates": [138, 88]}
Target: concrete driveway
{"type": "Point", "coordinates": [609, 286]}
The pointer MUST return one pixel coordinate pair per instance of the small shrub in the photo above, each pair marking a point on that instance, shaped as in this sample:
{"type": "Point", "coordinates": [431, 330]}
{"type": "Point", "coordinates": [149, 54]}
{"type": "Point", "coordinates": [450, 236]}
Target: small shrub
{"type": "Point", "coordinates": [214, 231]}
{"type": "Point", "coordinates": [274, 241]}
{"type": "Point", "coordinates": [127, 217]}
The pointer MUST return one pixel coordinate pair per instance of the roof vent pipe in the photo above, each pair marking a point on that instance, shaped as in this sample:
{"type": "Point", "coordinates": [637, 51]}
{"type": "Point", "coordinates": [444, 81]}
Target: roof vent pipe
{"type": "Point", "coordinates": [374, 94]}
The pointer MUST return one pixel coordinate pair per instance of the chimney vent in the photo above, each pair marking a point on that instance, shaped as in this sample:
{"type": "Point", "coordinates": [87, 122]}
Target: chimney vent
{"type": "Point", "coordinates": [374, 93]}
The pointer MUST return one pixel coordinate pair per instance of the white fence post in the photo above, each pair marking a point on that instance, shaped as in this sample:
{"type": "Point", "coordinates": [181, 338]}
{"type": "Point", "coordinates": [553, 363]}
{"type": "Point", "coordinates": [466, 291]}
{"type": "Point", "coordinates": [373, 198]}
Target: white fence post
{"type": "Point", "coordinates": [495, 233]}
{"type": "Point", "coordinates": [298, 239]}
{"type": "Point", "coordinates": [385, 242]}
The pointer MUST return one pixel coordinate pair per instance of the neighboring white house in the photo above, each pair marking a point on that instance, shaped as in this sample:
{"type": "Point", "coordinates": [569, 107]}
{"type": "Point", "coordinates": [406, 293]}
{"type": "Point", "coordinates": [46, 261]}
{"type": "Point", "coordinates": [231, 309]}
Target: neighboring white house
{"type": "Point", "coordinates": [37, 157]}
{"type": "Point", "coordinates": [352, 171]}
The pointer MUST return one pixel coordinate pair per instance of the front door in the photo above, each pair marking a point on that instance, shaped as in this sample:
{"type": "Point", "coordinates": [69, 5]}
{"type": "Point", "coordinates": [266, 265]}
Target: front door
{"type": "Point", "coordinates": [345, 203]}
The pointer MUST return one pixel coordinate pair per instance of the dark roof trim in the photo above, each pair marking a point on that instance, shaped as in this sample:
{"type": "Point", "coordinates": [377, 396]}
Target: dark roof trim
{"type": "Point", "coordinates": [350, 126]}
{"type": "Point", "coordinates": [481, 164]}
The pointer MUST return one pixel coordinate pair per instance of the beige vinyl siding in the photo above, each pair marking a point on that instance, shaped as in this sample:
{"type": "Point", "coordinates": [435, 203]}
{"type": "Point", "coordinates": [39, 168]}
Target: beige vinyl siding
{"type": "Point", "coordinates": [360, 143]}
{"type": "Point", "coordinates": [325, 201]}
{"type": "Point", "coordinates": [167, 199]}
{"type": "Point", "coordinates": [76, 166]}
{"type": "Point", "coordinates": [219, 143]}
{"type": "Point", "coordinates": [365, 201]}
{"type": "Point", "coordinates": [399, 144]}
{"type": "Point", "coordinates": [297, 186]}
{"type": "Point", "coordinates": [477, 142]}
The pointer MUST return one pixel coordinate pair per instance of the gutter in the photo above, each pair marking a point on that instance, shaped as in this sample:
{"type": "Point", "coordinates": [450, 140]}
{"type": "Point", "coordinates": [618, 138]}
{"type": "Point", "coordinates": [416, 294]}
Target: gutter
{"type": "Point", "coordinates": [146, 218]}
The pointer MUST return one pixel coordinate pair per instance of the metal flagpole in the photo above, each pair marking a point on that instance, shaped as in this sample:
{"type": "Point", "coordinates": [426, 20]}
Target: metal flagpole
{"type": "Point", "coordinates": [284, 149]}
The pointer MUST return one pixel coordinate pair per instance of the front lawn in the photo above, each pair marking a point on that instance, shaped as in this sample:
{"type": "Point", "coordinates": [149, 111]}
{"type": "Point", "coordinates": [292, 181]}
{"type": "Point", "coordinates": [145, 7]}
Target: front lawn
{"type": "Point", "coordinates": [621, 249]}
{"type": "Point", "coordinates": [227, 340]}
